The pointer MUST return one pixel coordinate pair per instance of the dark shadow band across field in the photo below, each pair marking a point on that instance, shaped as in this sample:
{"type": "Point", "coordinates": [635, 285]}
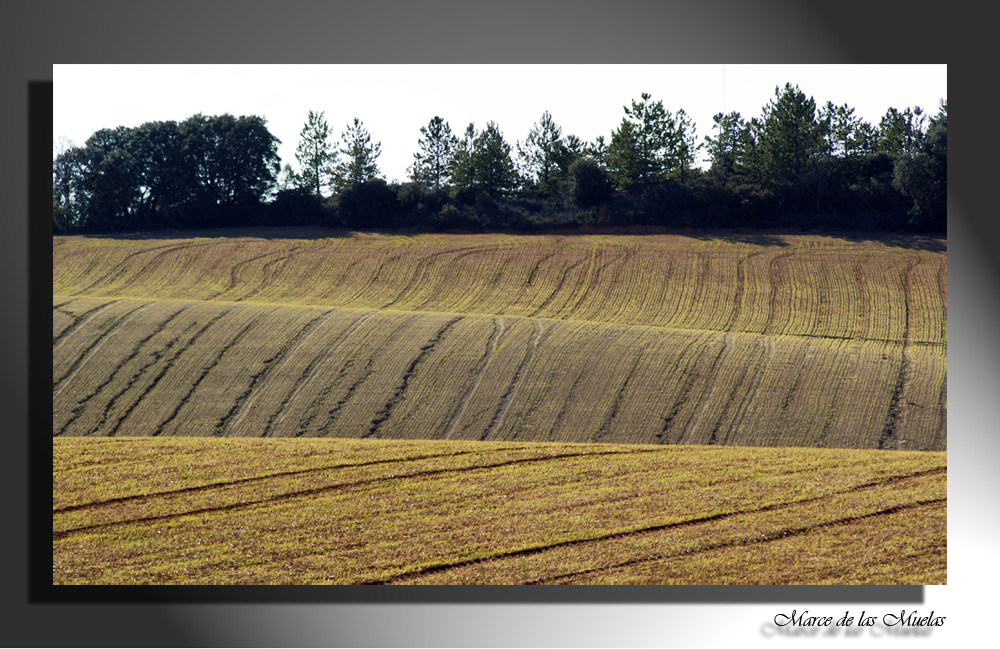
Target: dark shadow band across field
{"type": "Point", "coordinates": [775, 237]}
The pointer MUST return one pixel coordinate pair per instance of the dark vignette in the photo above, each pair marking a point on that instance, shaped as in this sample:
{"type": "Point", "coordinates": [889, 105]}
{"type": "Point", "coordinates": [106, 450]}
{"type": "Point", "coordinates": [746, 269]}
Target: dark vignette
{"type": "Point", "coordinates": [846, 40]}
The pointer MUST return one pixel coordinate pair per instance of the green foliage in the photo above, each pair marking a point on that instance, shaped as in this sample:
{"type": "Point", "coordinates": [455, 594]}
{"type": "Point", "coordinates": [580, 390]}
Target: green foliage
{"type": "Point", "coordinates": [449, 217]}
{"type": "Point", "coordinates": [587, 182]}
{"type": "Point", "coordinates": [901, 132]}
{"type": "Point", "coordinates": [724, 148]}
{"type": "Point", "coordinates": [653, 139]}
{"type": "Point", "coordinates": [791, 137]}
{"type": "Point", "coordinates": [544, 154]}
{"type": "Point", "coordinates": [483, 165]}
{"type": "Point", "coordinates": [370, 203]}
{"type": "Point", "coordinates": [622, 157]}
{"type": "Point", "coordinates": [234, 160]}
{"type": "Point", "coordinates": [432, 164]}
{"type": "Point", "coordinates": [793, 165]}
{"type": "Point", "coordinates": [650, 145]}
{"type": "Point", "coordinates": [685, 145]}
{"type": "Point", "coordinates": [360, 157]}
{"type": "Point", "coordinates": [165, 173]}
{"type": "Point", "coordinates": [923, 176]}
{"type": "Point", "coordinates": [316, 155]}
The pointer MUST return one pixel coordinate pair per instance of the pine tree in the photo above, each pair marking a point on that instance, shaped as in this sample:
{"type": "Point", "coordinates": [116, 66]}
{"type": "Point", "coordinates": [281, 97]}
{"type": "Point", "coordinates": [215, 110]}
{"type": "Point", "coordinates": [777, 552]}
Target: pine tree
{"type": "Point", "coordinates": [792, 137]}
{"type": "Point", "coordinates": [432, 163]}
{"type": "Point", "coordinates": [724, 148]}
{"type": "Point", "coordinates": [653, 139]}
{"type": "Point", "coordinates": [544, 153]}
{"type": "Point", "coordinates": [622, 157]}
{"type": "Point", "coordinates": [494, 168]}
{"type": "Point", "coordinates": [483, 163]}
{"type": "Point", "coordinates": [315, 154]}
{"type": "Point", "coordinates": [360, 156]}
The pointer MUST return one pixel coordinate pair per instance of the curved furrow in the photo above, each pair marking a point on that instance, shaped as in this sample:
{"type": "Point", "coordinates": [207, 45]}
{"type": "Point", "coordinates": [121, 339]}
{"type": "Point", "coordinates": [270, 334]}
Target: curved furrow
{"type": "Point", "coordinates": [308, 371]}
{"type": "Point", "coordinates": [502, 555]}
{"type": "Point", "coordinates": [463, 403]}
{"type": "Point", "coordinates": [496, 423]}
{"type": "Point", "coordinates": [122, 268]}
{"type": "Point", "coordinates": [768, 537]}
{"type": "Point", "coordinates": [386, 411]}
{"type": "Point", "coordinates": [313, 491]}
{"type": "Point", "coordinates": [234, 273]}
{"type": "Point", "coordinates": [168, 364]}
{"type": "Point", "coordinates": [58, 385]}
{"type": "Point", "coordinates": [79, 320]}
{"type": "Point", "coordinates": [246, 400]}
{"type": "Point", "coordinates": [133, 353]}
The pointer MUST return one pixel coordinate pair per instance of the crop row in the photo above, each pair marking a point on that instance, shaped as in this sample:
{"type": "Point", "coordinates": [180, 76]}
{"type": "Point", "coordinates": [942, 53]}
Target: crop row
{"type": "Point", "coordinates": [791, 285]}
{"type": "Point", "coordinates": [224, 511]}
{"type": "Point", "coordinates": [127, 367]}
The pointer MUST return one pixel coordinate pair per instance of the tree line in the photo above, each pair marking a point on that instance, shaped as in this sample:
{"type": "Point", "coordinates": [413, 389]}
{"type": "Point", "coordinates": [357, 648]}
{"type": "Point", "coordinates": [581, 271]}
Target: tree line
{"type": "Point", "coordinates": [795, 165]}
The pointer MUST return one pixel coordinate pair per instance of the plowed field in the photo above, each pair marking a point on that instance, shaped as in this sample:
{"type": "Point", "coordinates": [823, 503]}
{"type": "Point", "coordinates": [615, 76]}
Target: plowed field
{"type": "Point", "coordinates": [336, 511]}
{"type": "Point", "coordinates": [769, 341]}
{"type": "Point", "coordinates": [356, 408]}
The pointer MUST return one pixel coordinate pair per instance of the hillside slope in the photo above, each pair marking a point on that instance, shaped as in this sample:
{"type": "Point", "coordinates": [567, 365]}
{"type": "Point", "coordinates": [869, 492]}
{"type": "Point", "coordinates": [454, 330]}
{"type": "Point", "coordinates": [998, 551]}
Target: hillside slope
{"type": "Point", "coordinates": [763, 341]}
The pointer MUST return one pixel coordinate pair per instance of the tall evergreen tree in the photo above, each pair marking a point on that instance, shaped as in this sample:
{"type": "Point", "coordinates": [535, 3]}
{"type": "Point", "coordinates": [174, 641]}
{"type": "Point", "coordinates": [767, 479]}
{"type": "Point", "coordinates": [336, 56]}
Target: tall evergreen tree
{"type": "Point", "coordinates": [316, 156]}
{"type": "Point", "coordinates": [622, 157]}
{"type": "Point", "coordinates": [495, 173]}
{"type": "Point", "coordinates": [462, 161]}
{"type": "Point", "coordinates": [923, 176]}
{"type": "Point", "coordinates": [596, 150]}
{"type": "Point", "coordinates": [360, 157]}
{"type": "Point", "coordinates": [432, 163]}
{"type": "Point", "coordinates": [654, 135]}
{"type": "Point", "coordinates": [901, 132]}
{"type": "Point", "coordinates": [750, 160]}
{"type": "Point", "coordinates": [544, 154]}
{"type": "Point", "coordinates": [844, 132]}
{"type": "Point", "coordinates": [724, 148]}
{"type": "Point", "coordinates": [482, 163]}
{"type": "Point", "coordinates": [682, 156]}
{"type": "Point", "coordinates": [792, 137]}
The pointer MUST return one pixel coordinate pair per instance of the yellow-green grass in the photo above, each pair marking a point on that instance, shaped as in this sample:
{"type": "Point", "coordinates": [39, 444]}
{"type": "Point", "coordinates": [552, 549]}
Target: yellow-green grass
{"type": "Point", "coordinates": [756, 341]}
{"type": "Point", "coordinates": [199, 510]}
{"type": "Point", "coordinates": [890, 289]}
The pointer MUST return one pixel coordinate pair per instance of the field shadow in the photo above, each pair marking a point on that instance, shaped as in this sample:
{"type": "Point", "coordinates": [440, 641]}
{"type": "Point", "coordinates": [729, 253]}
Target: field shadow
{"type": "Point", "coordinates": [911, 242]}
{"type": "Point", "coordinates": [754, 238]}
{"type": "Point", "coordinates": [763, 238]}
{"type": "Point", "coordinates": [253, 232]}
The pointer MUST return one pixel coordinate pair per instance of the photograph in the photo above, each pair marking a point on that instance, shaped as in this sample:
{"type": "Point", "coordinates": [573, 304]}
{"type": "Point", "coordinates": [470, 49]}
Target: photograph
{"type": "Point", "coordinates": [499, 324]}
{"type": "Point", "coordinates": [535, 324]}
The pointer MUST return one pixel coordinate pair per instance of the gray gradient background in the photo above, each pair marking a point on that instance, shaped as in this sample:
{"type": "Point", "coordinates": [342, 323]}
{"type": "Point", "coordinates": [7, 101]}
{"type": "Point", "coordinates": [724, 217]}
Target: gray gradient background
{"type": "Point", "coordinates": [36, 35]}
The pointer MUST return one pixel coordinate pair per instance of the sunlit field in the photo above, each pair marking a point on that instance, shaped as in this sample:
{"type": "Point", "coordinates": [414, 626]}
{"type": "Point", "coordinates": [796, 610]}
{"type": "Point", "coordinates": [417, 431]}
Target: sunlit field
{"type": "Point", "coordinates": [335, 511]}
{"type": "Point", "coordinates": [769, 341]}
{"type": "Point", "coordinates": [331, 407]}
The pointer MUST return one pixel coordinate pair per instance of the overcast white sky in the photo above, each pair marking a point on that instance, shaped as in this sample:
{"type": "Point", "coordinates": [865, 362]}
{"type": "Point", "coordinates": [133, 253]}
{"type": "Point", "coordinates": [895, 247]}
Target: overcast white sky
{"type": "Point", "coordinates": [394, 101]}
